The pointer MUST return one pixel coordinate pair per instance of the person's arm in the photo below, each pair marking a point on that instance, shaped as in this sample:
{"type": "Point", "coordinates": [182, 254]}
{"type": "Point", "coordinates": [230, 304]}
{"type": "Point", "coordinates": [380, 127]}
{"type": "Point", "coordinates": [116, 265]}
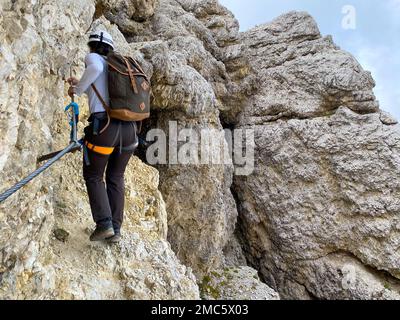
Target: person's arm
{"type": "Point", "coordinates": [94, 68]}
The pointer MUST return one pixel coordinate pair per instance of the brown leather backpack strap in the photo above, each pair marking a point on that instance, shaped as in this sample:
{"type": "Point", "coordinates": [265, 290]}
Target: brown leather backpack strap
{"type": "Point", "coordinates": [100, 97]}
{"type": "Point", "coordinates": [104, 105]}
{"type": "Point", "coordinates": [137, 65]}
{"type": "Point", "coordinates": [131, 76]}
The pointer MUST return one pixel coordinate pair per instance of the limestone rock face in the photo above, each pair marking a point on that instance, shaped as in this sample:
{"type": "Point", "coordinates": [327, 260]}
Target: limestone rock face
{"type": "Point", "coordinates": [302, 74]}
{"type": "Point", "coordinates": [187, 49]}
{"type": "Point", "coordinates": [195, 61]}
{"type": "Point", "coordinates": [129, 15]}
{"type": "Point", "coordinates": [44, 247]}
{"type": "Point", "coordinates": [319, 215]}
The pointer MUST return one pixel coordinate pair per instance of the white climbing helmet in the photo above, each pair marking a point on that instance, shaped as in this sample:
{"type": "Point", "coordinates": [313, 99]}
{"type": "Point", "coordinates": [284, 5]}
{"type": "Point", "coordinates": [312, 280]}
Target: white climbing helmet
{"type": "Point", "coordinates": [101, 36]}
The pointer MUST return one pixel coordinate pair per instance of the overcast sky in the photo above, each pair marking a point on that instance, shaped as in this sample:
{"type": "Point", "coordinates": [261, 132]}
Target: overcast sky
{"type": "Point", "coordinates": [374, 41]}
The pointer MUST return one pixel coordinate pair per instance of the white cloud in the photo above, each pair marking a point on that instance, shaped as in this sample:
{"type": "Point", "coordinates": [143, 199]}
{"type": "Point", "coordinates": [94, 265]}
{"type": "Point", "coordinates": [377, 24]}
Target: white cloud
{"type": "Point", "coordinates": [394, 4]}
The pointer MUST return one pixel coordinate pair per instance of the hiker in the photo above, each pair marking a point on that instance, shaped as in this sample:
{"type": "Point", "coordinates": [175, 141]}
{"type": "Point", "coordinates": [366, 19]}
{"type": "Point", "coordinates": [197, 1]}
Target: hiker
{"type": "Point", "coordinates": [109, 142]}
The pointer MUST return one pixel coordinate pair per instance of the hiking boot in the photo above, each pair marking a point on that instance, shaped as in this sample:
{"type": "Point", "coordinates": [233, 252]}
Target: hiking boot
{"type": "Point", "coordinates": [102, 233]}
{"type": "Point", "coordinates": [115, 238]}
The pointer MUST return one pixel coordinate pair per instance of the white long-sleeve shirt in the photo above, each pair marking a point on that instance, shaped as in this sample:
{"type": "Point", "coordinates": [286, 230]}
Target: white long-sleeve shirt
{"type": "Point", "coordinates": [96, 72]}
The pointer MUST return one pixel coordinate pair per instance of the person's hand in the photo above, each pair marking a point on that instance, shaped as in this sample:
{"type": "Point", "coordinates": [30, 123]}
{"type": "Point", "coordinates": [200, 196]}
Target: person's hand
{"type": "Point", "coordinates": [71, 91]}
{"type": "Point", "coordinates": [72, 81]}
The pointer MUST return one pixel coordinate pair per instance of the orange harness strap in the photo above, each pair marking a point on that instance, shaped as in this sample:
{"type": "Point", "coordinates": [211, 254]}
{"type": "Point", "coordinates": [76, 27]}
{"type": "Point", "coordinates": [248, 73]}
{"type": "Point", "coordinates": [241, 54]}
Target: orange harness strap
{"type": "Point", "coordinates": [102, 150]}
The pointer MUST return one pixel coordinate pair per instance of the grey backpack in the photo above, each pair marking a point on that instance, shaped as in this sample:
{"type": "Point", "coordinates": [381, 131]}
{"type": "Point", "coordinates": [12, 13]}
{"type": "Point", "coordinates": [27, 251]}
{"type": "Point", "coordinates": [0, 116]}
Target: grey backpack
{"type": "Point", "coordinates": [129, 89]}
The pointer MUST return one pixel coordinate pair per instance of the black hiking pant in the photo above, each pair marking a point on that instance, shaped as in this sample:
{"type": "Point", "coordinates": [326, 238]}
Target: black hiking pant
{"type": "Point", "coordinates": [107, 199]}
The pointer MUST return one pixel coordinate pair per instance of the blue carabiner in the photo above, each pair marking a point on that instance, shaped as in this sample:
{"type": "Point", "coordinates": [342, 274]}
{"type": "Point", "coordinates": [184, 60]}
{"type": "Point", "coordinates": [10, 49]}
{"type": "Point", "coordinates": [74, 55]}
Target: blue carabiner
{"type": "Point", "coordinates": [74, 106]}
{"type": "Point", "coordinates": [75, 110]}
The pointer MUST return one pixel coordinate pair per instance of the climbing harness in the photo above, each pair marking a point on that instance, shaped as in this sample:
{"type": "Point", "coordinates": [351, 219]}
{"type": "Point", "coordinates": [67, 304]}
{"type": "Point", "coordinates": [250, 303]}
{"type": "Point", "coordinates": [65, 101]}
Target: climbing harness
{"type": "Point", "coordinates": [107, 150]}
{"type": "Point", "coordinates": [73, 111]}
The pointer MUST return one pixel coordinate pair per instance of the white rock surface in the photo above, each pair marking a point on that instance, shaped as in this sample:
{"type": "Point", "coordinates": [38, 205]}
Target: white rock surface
{"type": "Point", "coordinates": [318, 218]}
{"type": "Point", "coordinates": [190, 83]}
{"type": "Point", "coordinates": [39, 42]}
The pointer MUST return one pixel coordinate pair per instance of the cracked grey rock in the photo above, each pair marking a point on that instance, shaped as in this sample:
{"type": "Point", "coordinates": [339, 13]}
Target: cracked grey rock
{"type": "Point", "coordinates": [302, 74]}
{"type": "Point", "coordinates": [318, 217]}
{"type": "Point", "coordinates": [34, 264]}
{"type": "Point", "coordinates": [324, 196]}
